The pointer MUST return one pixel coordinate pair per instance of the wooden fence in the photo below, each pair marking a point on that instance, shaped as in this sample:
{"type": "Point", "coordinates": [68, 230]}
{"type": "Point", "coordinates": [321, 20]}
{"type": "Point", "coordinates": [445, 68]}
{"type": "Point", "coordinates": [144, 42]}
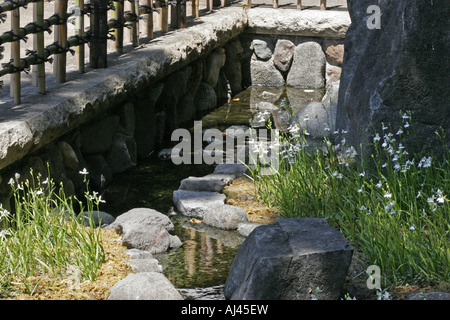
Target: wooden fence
{"type": "Point", "coordinates": [93, 26]}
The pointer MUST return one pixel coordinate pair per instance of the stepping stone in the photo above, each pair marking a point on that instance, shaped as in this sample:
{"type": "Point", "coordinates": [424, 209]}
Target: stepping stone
{"type": "Point", "coordinates": [145, 265]}
{"type": "Point", "coordinates": [197, 203]}
{"type": "Point", "coordinates": [144, 286]}
{"type": "Point", "coordinates": [207, 183]}
{"type": "Point", "coordinates": [225, 217]}
{"type": "Point", "coordinates": [236, 169]}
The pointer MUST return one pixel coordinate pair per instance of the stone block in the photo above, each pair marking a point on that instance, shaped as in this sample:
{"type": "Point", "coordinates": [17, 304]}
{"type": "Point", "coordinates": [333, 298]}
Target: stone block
{"type": "Point", "coordinates": [197, 203]}
{"type": "Point", "coordinates": [283, 260]}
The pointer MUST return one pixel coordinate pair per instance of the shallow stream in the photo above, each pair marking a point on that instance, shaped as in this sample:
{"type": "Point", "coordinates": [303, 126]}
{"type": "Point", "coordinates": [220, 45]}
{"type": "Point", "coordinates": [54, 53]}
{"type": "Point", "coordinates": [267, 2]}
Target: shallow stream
{"type": "Point", "coordinates": [199, 268]}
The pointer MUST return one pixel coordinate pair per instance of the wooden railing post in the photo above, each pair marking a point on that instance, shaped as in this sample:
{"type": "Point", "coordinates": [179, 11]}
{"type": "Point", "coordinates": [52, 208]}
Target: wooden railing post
{"type": "Point", "coordinates": [99, 30]}
{"type": "Point", "coordinates": [275, 4]}
{"type": "Point", "coordinates": [164, 16]}
{"type": "Point", "coordinates": [150, 20]}
{"type": "Point", "coordinates": [135, 24]}
{"type": "Point", "coordinates": [40, 47]}
{"type": "Point", "coordinates": [15, 55]}
{"type": "Point", "coordinates": [174, 16]}
{"type": "Point", "coordinates": [182, 18]}
{"type": "Point", "coordinates": [323, 4]}
{"type": "Point", "coordinates": [117, 14]}
{"type": "Point", "coordinates": [79, 31]}
{"type": "Point", "coordinates": [299, 5]}
{"type": "Point", "coordinates": [62, 41]}
{"type": "Point", "coordinates": [195, 8]}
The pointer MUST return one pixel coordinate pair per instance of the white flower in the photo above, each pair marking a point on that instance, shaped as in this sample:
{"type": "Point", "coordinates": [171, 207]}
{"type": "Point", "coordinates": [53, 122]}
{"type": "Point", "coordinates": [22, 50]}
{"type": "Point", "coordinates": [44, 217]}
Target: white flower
{"type": "Point", "coordinates": [383, 295]}
{"type": "Point", "coordinates": [362, 208]}
{"type": "Point", "coordinates": [419, 194]}
{"type": "Point", "coordinates": [405, 116]}
{"type": "Point", "coordinates": [378, 185]}
{"type": "Point", "coordinates": [101, 200]}
{"type": "Point", "coordinates": [377, 137]}
{"type": "Point", "coordinates": [406, 125]}
{"type": "Point", "coordinates": [362, 174]}
{"type": "Point", "coordinates": [413, 227]}
{"type": "Point", "coordinates": [84, 171]}
{"type": "Point", "coordinates": [425, 162]}
{"type": "Point", "coordinates": [4, 233]}
{"type": "Point", "coordinates": [387, 195]}
{"type": "Point", "coordinates": [361, 189]}
{"type": "Point", "coordinates": [399, 132]}
{"type": "Point", "coordinates": [39, 192]}
{"type": "Point", "coordinates": [397, 166]}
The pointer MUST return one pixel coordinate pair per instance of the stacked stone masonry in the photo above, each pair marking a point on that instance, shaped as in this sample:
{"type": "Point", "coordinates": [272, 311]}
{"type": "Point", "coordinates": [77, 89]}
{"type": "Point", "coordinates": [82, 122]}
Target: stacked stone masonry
{"type": "Point", "coordinates": [108, 126]}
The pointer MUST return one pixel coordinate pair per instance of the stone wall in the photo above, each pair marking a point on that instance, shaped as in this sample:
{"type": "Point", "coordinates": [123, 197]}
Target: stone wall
{"type": "Point", "coordinates": [126, 112]}
{"type": "Point", "coordinates": [304, 62]}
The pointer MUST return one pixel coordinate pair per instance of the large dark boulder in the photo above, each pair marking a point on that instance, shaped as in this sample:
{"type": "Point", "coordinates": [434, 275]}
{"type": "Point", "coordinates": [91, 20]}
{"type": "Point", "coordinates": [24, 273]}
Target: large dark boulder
{"type": "Point", "coordinates": [286, 259]}
{"type": "Point", "coordinates": [402, 66]}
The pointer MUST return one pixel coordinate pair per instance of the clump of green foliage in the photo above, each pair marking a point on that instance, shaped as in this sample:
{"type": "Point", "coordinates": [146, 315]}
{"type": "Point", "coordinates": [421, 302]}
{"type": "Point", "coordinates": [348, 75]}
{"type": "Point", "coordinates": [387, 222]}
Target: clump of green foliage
{"type": "Point", "coordinates": [45, 236]}
{"type": "Point", "coordinates": [392, 206]}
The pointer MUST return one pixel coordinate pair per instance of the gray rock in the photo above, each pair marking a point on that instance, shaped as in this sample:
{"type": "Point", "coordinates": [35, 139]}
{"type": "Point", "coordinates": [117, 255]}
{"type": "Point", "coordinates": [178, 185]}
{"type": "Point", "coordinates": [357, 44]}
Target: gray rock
{"type": "Point", "coordinates": [207, 183]}
{"type": "Point", "coordinates": [262, 48]}
{"type": "Point", "coordinates": [138, 254]}
{"type": "Point", "coordinates": [98, 137]}
{"type": "Point", "coordinates": [123, 153]}
{"type": "Point", "coordinates": [69, 156]}
{"type": "Point", "coordinates": [264, 73]}
{"type": "Point", "coordinates": [100, 173]}
{"type": "Point", "coordinates": [395, 69]}
{"type": "Point", "coordinates": [197, 203]}
{"type": "Point", "coordinates": [99, 218]}
{"type": "Point", "coordinates": [145, 229]}
{"type": "Point", "coordinates": [283, 54]}
{"type": "Point", "coordinates": [146, 125]}
{"type": "Point", "coordinates": [233, 66]}
{"type": "Point", "coordinates": [128, 117]}
{"type": "Point", "coordinates": [283, 260]}
{"type": "Point", "coordinates": [214, 62]}
{"type": "Point", "coordinates": [317, 118]}
{"type": "Point", "coordinates": [330, 24]}
{"type": "Point", "coordinates": [144, 286]}
{"type": "Point", "coordinates": [236, 169]}
{"type": "Point", "coordinates": [308, 66]}
{"type": "Point", "coordinates": [206, 98]}
{"type": "Point", "coordinates": [145, 265]}
{"type": "Point", "coordinates": [245, 228]}
{"type": "Point", "coordinates": [429, 296]}
{"type": "Point", "coordinates": [225, 217]}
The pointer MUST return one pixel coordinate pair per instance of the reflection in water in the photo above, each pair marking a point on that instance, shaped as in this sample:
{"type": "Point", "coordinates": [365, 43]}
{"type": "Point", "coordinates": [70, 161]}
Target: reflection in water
{"type": "Point", "coordinates": [201, 266]}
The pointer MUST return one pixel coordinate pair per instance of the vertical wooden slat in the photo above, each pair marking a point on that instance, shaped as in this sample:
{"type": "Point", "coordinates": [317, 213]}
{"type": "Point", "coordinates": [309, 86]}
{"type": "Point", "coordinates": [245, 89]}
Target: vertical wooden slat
{"type": "Point", "coordinates": [79, 31]}
{"type": "Point", "coordinates": [299, 5]}
{"type": "Point", "coordinates": [40, 47]}
{"type": "Point", "coordinates": [249, 4]}
{"type": "Point", "coordinates": [164, 17]}
{"type": "Point", "coordinates": [174, 15]}
{"type": "Point", "coordinates": [34, 75]}
{"type": "Point", "coordinates": [62, 41]}
{"type": "Point", "coordinates": [210, 5]}
{"type": "Point", "coordinates": [15, 55]}
{"type": "Point", "coordinates": [275, 4]}
{"type": "Point", "coordinates": [99, 29]}
{"type": "Point", "coordinates": [55, 37]}
{"type": "Point", "coordinates": [223, 3]}
{"type": "Point", "coordinates": [182, 18]}
{"type": "Point", "coordinates": [117, 13]}
{"type": "Point", "coordinates": [195, 8]}
{"type": "Point", "coordinates": [135, 25]}
{"type": "Point", "coordinates": [150, 20]}
{"type": "Point", "coordinates": [323, 4]}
